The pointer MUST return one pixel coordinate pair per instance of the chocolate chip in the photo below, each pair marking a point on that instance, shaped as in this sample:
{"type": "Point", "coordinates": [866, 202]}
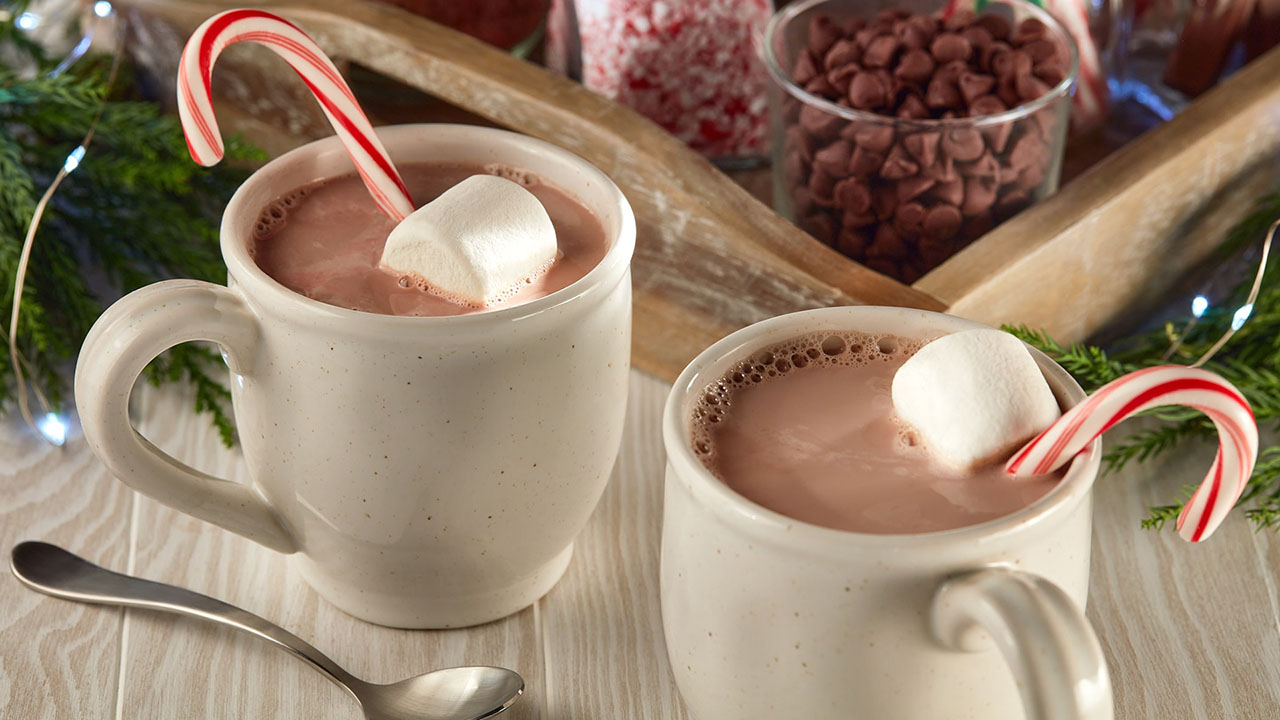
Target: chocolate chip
{"type": "Point", "coordinates": [997, 135]}
{"type": "Point", "coordinates": [973, 86]}
{"type": "Point", "coordinates": [823, 33]}
{"type": "Point", "coordinates": [796, 140]}
{"type": "Point", "coordinates": [960, 19]}
{"type": "Point", "coordinates": [996, 25]}
{"type": "Point", "coordinates": [864, 162]}
{"type": "Point", "coordinates": [991, 54]}
{"type": "Point", "coordinates": [942, 94]}
{"type": "Point", "coordinates": [977, 36]}
{"type": "Point", "coordinates": [898, 165]}
{"type": "Point", "coordinates": [878, 138]}
{"type": "Point", "coordinates": [841, 77]}
{"type": "Point", "coordinates": [821, 187]}
{"type": "Point", "coordinates": [1029, 30]}
{"type": "Point", "coordinates": [821, 87]}
{"type": "Point", "coordinates": [952, 71]}
{"type": "Point", "coordinates": [805, 69]}
{"type": "Point", "coordinates": [882, 51]}
{"type": "Point", "coordinates": [887, 244]}
{"type": "Point", "coordinates": [908, 219]}
{"type": "Point", "coordinates": [866, 92]}
{"type": "Point", "coordinates": [1028, 150]}
{"type": "Point", "coordinates": [984, 166]}
{"type": "Point", "coordinates": [949, 192]}
{"type": "Point", "coordinates": [1051, 72]}
{"type": "Point", "coordinates": [858, 220]}
{"type": "Point", "coordinates": [834, 158]}
{"type": "Point", "coordinates": [911, 36]}
{"type": "Point", "coordinates": [853, 25]}
{"type": "Point", "coordinates": [913, 108]}
{"type": "Point", "coordinates": [794, 165]}
{"type": "Point", "coordinates": [852, 241]}
{"type": "Point", "coordinates": [1013, 201]}
{"type": "Point", "coordinates": [1029, 87]}
{"type": "Point", "coordinates": [1031, 177]}
{"type": "Point", "coordinates": [884, 201]}
{"type": "Point", "coordinates": [915, 66]}
{"type": "Point", "coordinates": [943, 170]}
{"type": "Point", "coordinates": [853, 196]}
{"type": "Point", "coordinates": [963, 144]}
{"type": "Point", "coordinates": [842, 53]}
{"type": "Point", "coordinates": [1041, 50]}
{"type": "Point", "coordinates": [912, 187]}
{"type": "Point", "coordinates": [923, 146]}
{"type": "Point", "coordinates": [819, 122]}
{"type": "Point", "coordinates": [1007, 91]}
{"type": "Point", "coordinates": [979, 195]}
{"type": "Point", "coordinates": [820, 225]}
{"type": "Point", "coordinates": [942, 222]}
{"type": "Point", "coordinates": [986, 105]}
{"type": "Point", "coordinates": [950, 46]}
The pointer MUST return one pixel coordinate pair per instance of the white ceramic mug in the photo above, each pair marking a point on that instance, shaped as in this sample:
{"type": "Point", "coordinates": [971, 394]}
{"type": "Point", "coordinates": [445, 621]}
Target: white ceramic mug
{"type": "Point", "coordinates": [770, 617]}
{"type": "Point", "coordinates": [427, 471]}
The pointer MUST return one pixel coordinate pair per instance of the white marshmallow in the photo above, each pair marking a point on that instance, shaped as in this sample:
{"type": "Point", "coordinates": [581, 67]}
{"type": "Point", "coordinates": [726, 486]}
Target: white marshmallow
{"type": "Point", "coordinates": [974, 397]}
{"type": "Point", "coordinates": [475, 244]}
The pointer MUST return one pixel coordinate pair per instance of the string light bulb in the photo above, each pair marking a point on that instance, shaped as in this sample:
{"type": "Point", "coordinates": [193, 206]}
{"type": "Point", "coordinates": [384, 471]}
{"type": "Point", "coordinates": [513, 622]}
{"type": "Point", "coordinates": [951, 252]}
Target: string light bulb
{"type": "Point", "coordinates": [1199, 306]}
{"type": "Point", "coordinates": [102, 8]}
{"type": "Point", "coordinates": [27, 21]}
{"type": "Point", "coordinates": [53, 429]}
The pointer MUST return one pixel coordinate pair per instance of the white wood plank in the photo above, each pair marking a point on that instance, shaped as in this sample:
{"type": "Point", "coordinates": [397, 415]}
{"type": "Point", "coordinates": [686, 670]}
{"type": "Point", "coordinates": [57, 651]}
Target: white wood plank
{"type": "Point", "coordinates": [1190, 631]}
{"type": "Point", "coordinates": [58, 659]}
{"type": "Point", "coordinates": [178, 668]}
{"type": "Point", "coordinates": [601, 625]}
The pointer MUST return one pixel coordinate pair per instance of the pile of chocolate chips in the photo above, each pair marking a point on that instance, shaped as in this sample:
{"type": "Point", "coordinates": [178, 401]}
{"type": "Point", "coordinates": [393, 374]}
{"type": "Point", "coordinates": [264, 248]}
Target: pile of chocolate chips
{"type": "Point", "coordinates": [901, 196]}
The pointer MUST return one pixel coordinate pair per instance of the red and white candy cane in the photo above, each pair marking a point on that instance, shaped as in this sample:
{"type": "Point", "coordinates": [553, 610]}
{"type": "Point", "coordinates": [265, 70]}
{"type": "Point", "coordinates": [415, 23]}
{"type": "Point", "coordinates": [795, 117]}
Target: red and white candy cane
{"type": "Point", "coordinates": [195, 98]}
{"type": "Point", "coordinates": [1146, 389]}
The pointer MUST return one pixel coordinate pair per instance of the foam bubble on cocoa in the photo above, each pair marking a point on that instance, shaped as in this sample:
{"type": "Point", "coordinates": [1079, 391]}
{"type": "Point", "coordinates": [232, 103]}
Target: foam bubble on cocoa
{"type": "Point", "coordinates": [800, 354]}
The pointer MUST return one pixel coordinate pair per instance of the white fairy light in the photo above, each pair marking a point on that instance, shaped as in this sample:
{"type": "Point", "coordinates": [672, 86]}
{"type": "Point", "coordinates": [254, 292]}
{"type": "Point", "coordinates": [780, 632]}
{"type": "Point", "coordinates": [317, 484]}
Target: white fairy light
{"type": "Point", "coordinates": [1242, 313]}
{"type": "Point", "coordinates": [102, 8]}
{"type": "Point", "coordinates": [1199, 305]}
{"type": "Point", "coordinates": [27, 21]}
{"type": "Point", "coordinates": [73, 160]}
{"type": "Point", "coordinates": [53, 429]}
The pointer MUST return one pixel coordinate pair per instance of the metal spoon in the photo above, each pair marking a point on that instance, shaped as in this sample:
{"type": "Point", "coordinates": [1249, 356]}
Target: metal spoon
{"type": "Point", "coordinates": [461, 693]}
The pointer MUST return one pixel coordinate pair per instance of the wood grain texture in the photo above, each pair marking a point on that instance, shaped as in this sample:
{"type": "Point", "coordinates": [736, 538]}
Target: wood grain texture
{"type": "Point", "coordinates": [1190, 631]}
{"type": "Point", "coordinates": [58, 659]}
{"type": "Point", "coordinates": [179, 668]}
{"type": "Point", "coordinates": [602, 625]}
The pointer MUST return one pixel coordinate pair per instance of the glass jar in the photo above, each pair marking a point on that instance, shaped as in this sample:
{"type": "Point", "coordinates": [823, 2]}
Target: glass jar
{"type": "Point", "coordinates": [902, 194]}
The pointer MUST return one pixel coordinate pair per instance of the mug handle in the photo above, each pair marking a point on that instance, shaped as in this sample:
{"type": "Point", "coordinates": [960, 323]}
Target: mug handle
{"type": "Point", "coordinates": [121, 343]}
{"type": "Point", "coordinates": [1045, 638]}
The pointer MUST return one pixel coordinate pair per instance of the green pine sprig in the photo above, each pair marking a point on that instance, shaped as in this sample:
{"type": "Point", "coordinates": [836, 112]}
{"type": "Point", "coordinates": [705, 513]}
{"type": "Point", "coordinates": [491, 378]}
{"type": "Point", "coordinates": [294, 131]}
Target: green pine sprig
{"type": "Point", "coordinates": [136, 210]}
{"type": "Point", "coordinates": [1250, 361]}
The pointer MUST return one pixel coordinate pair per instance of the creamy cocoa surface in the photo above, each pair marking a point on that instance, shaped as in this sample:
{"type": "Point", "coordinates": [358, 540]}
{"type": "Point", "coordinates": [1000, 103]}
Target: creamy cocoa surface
{"type": "Point", "coordinates": [807, 428]}
{"type": "Point", "coordinates": [325, 240]}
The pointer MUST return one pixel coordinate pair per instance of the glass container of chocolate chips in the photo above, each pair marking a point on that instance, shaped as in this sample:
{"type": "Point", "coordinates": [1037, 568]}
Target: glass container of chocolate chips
{"type": "Point", "coordinates": [905, 129]}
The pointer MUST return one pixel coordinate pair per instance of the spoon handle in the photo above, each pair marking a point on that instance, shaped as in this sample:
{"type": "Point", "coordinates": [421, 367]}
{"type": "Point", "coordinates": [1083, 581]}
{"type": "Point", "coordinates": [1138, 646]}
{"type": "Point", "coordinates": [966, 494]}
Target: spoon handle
{"type": "Point", "coordinates": [54, 571]}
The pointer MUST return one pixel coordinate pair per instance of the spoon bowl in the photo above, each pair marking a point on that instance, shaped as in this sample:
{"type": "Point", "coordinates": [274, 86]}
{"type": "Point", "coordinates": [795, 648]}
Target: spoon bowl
{"type": "Point", "coordinates": [460, 693]}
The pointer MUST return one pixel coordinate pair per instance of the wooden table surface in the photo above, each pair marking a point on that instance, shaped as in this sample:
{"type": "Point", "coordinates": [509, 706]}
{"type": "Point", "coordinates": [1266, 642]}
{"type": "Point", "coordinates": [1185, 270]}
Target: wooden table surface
{"type": "Point", "coordinates": [1190, 632]}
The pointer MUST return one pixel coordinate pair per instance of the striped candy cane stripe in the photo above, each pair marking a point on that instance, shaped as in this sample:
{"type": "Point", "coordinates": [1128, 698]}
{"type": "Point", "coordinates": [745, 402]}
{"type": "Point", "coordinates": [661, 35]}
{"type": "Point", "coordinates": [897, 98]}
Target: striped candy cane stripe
{"type": "Point", "coordinates": [1146, 389]}
{"type": "Point", "coordinates": [195, 98]}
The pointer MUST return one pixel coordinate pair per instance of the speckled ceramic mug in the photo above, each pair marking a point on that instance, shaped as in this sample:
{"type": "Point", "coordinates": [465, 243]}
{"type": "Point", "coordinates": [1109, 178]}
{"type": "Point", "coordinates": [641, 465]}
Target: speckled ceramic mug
{"type": "Point", "coordinates": [428, 472]}
{"type": "Point", "coordinates": [767, 617]}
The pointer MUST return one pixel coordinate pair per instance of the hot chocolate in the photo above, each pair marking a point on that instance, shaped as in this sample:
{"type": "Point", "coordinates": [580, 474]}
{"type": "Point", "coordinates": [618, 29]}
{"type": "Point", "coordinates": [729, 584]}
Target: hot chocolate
{"type": "Point", "coordinates": [325, 240]}
{"type": "Point", "coordinates": [807, 428]}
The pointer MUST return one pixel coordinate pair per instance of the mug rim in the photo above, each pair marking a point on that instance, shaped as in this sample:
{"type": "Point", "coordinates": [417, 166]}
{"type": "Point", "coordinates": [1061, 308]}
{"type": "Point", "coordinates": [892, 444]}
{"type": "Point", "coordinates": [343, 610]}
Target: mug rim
{"type": "Point", "coordinates": [737, 510]}
{"type": "Point", "coordinates": [257, 283]}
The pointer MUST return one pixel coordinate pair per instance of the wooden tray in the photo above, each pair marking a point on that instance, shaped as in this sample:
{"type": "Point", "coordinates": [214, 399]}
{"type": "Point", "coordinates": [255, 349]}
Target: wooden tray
{"type": "Point", "coordinates": [711, 258]}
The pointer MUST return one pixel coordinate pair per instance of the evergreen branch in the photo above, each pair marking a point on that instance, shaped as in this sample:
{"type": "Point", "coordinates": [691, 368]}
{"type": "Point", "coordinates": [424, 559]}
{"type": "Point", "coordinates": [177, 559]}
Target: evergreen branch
{"type": "Point", "coordinates": [1251, 362]}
